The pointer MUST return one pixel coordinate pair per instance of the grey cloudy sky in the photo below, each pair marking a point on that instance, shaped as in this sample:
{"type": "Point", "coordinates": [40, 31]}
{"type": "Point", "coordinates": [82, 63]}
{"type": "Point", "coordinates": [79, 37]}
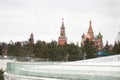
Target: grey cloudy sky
{"type": "Point", "coordinates": [19, 18]}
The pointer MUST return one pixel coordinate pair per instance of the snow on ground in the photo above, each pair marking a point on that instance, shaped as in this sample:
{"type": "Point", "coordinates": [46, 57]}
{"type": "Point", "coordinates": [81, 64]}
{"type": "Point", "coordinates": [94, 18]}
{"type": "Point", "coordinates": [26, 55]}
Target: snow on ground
{"type": "Point", "coordinates": [108, 60]}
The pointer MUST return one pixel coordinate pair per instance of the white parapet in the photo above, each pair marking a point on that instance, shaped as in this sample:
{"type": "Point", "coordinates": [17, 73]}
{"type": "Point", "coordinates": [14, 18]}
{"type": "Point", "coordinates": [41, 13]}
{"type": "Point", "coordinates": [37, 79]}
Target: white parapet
{"type": "Point", "coordinates": [8, 76]}
{"type": "Point", "coordinates": [104, 68]}
{"type": "Point", "coordinates": [3, 63]}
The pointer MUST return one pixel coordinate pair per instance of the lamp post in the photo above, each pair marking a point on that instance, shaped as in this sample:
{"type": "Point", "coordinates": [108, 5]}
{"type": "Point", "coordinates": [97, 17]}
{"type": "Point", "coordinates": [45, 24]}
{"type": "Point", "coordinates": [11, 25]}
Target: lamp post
{"type": "Point", "coordinates": [84, 56]}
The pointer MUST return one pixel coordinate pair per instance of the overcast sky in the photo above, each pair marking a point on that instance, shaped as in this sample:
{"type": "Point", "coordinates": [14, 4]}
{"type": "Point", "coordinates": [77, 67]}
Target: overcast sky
{"type": "Point", "coordinates": [20, 18]}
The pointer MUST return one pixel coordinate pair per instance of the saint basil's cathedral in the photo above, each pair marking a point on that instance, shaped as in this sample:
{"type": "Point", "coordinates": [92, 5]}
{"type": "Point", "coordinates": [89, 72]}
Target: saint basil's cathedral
{"type": "Point", "coordinates": [90, 36]}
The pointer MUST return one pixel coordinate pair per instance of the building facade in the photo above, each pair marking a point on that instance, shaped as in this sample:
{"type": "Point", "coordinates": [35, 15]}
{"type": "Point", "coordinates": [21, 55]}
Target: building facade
{"type": "Point", "coordinates": [118, 36]}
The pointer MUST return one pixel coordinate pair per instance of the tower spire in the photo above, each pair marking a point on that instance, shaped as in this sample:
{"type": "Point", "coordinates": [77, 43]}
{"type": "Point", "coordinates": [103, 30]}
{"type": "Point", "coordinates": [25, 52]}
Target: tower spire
{"type": "Point", "coordinates": [90, 22]}
{"type": "Point", "coordinates": [90, 30]}
{"type": "Point", "coordinates": [62, 39]}
{"type": "Point", "coordinates": [62, 23]}
{"type": "Point", "coordinates": [31, 39]}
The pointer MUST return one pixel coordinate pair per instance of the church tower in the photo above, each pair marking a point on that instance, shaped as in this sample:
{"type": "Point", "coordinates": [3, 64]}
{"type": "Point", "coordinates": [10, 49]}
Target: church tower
{"type": "Point", "coordinates": [99, 41]}
{"type": "Point", "coordinates": [31, 39]}
{"type": "Point", "coordinates": [118, 37]}
{"type": "Point", "coordinates": [90, 31]}
{"type": "Point", "coordinates": [62, 40]}
{"type": "Point", "coordinates": [89, 35]}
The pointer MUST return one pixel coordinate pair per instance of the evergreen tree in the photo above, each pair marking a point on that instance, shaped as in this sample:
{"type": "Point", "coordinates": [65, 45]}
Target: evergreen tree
{"type": "Point", "coordinates": [73, 52]}
{"type": "Point", "coordinates": [116, 48]}
{"type": "Point", "coordinates": [108, 49]}
{"type": "Point", "coordinates": [51, 51]}
{"type": "Point", "coordinates": [89, 49]}
{"type": "Point", "coordinates": [1, 75]}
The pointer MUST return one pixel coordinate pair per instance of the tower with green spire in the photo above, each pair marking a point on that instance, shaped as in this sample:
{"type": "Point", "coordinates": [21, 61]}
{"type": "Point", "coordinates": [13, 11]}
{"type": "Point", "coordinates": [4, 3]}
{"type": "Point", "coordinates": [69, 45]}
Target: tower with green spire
{"type": "Point", "coordinates": [99, 41]}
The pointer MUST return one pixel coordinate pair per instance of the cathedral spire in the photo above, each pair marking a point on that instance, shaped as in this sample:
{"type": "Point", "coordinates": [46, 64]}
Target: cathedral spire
{"type": "Point", "coordinates": [62, 23]}
{"type": "Point", "coordinates": [90, 25]}
{"type": "Point", "coordinates": [90, 30]}
{"type": "Point", "coordinates": [90, 22]}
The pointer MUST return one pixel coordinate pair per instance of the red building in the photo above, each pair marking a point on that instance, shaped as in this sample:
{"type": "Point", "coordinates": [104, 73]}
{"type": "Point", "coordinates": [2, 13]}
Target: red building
{"type": "Point", "coordinates": [62, 40]}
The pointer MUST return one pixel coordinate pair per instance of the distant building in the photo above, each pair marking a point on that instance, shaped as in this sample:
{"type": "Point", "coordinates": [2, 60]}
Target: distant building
{"type": "Point", "coordinates": [118, 36]}
{"type": "Point", "coordinates": [23, 43]}
{"type": "Point", "coordinates": [99, 41]}
{"type": "Point", "coordinates": [62, 40]}
{"type": "Point", "coordinates": [90, 36]}
{"type": "Point", "coordinates": [31, 39]}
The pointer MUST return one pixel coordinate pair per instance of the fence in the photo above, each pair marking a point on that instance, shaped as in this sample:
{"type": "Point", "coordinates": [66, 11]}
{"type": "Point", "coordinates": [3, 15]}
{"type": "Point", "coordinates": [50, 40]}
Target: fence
{"type": "Point", "coordinates": [106, 68]}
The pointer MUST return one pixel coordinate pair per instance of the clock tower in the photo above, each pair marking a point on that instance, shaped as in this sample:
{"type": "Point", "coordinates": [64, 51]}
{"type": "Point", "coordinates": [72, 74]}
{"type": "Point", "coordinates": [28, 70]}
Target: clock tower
{"type": "Point", "coordinates": [62, 40]}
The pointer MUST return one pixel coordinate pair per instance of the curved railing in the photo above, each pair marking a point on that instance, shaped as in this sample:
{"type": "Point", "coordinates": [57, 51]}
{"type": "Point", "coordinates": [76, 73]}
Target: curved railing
{"type": "Point", "coordinates": [65, 71]}
{"type": "Point", "coordinates": [107, 68]}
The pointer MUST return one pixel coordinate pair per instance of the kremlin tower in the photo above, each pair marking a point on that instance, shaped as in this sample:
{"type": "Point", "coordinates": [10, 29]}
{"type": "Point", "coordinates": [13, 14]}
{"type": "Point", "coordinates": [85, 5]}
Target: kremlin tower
{"type": "Point", "coordinates": [31, 39]}
{"type": "Point", "coordinates": [62, 40]}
